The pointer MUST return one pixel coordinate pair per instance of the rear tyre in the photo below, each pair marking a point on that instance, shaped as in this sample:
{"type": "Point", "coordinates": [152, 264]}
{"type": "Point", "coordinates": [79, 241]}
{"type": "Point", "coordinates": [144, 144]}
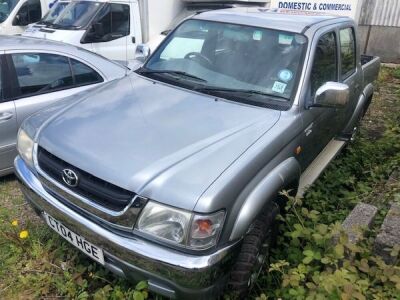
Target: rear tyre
{"type": "Point", "coordinates": [254, 252]}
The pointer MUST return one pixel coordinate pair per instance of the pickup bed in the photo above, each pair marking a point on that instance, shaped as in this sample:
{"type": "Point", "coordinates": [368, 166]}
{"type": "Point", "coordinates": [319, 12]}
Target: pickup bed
{"type": "Point", "coordinates": [173, 173]}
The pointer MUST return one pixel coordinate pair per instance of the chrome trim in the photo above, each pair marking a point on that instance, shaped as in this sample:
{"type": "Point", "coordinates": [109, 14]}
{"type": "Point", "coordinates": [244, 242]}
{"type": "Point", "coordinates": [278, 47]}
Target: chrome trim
{"type": "Point", "coordinates": [182, 272]}
{"type": "Point", "coordinates": [124, 219]}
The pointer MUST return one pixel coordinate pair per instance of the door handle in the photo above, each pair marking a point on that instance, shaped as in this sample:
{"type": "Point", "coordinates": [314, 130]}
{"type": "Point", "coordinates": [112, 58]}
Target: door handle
{"type": "Point", "coordinates": [5, 116]}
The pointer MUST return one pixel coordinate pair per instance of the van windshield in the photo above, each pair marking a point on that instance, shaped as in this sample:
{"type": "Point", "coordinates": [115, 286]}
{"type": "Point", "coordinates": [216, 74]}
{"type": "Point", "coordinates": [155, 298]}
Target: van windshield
{"type": "Point", "coordinates": [77, 15]}
{"type": "Point", "coordinates": [53, 13]}
{"type": "Point", "coordinates": [6, 7]}
{"type": "Point", "coordinates": [237, 62]}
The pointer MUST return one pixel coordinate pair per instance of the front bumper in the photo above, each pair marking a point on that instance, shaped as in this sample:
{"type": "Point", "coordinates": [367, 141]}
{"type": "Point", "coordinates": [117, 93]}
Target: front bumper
{"type": "Point", "coordinates": [169, 272]}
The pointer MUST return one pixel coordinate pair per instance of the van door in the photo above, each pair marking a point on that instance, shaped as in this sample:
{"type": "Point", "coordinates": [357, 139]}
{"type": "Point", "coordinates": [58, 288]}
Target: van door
{"type": "Point", "coordinates": [8, 124]}
{"type": "Point", "coordinates": [111, 32]}
{"type": "Point", "coordinates": [30, 12]}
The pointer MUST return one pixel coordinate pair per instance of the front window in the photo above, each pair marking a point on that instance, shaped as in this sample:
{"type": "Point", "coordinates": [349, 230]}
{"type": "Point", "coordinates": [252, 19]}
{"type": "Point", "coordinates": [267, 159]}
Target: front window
{"type": "Point", "coordinates": [238, 62]}
{"type": "Point", "coordinates": [53, 13]}
{"type": "Point", "coordinates": [77, 15]}
{"type": "Point", "coordinates": [6, 7]}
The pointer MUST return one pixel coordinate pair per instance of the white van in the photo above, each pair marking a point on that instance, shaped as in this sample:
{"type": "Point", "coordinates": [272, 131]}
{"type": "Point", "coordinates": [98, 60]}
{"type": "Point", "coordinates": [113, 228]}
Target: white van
{"type": "Point", "coordinates": [113, 28]}
{"type": "Point", "coordinates": [15, 15]}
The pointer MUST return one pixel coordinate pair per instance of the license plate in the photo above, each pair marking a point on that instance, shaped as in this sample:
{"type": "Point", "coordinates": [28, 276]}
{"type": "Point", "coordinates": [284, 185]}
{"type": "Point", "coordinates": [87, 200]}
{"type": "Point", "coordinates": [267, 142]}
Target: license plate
{"type": "Point", "coordinates": [79, 242]}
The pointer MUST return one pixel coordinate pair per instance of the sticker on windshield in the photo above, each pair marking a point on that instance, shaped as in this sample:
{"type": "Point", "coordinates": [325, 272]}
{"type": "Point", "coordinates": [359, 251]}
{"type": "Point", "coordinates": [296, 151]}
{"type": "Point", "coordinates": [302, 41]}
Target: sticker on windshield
{"type": "Point", "coordinates": [285, 75]}
{"type": "Point", "coordinates": [279, 87]}
{"type": "Point", "coordinates": [285, 39]}
{"type": "Point", "coordinates": [257, 35]}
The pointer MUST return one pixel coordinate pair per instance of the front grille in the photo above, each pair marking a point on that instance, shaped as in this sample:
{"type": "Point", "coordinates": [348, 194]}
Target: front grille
{"type": "Point", "coordinates": [92, 188]}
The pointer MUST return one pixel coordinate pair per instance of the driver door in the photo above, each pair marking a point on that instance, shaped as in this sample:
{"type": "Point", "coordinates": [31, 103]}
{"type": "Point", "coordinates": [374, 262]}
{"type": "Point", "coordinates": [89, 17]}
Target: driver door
{"type": "Point", "coordinates": [111, 32]}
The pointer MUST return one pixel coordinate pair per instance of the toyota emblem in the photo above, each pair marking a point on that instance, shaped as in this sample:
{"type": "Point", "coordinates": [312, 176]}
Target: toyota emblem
{"type": "Point", "coordinates": [70, 177]}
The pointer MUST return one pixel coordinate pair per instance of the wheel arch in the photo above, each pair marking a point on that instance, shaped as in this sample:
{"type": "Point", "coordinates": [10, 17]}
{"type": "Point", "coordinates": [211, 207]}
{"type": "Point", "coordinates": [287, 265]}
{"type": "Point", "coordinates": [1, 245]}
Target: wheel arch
{"type": "Point", "coordinates": [284, 176]}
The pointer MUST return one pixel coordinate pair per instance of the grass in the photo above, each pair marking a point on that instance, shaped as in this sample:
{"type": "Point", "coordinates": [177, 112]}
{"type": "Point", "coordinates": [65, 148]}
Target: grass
{"type": "Point", "coordinates": [44, 266]}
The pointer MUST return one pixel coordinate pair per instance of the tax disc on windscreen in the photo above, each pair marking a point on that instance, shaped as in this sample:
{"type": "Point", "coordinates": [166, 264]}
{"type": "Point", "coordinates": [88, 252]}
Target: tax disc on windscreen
{"type": "Point", "coordinates": [285, 75]}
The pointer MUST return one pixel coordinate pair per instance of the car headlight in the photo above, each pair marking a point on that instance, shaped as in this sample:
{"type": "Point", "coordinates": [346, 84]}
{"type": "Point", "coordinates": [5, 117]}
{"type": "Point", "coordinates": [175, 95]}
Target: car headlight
{"type": "Point", "coordinates": [25, 146]}
{"type": "Point", "coordinates": [180, 227]}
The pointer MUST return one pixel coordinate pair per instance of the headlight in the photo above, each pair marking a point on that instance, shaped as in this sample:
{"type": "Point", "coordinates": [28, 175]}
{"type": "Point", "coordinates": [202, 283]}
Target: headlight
{"type": "Point", "coordinates": [180, 227]}
{"type": "Point", "coordinates": [25, 146]}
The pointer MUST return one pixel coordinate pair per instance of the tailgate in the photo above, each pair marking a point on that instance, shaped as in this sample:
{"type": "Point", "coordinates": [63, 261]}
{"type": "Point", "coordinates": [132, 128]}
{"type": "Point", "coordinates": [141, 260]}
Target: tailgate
{"type": "Point", "coordinates": [370, 66]}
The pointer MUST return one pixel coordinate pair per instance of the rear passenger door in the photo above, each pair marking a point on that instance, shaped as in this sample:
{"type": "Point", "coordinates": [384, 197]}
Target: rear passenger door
{"type": "Point", "coordinates": [8, 123]}
{"type": "Point", "coordinates": [43, 78]}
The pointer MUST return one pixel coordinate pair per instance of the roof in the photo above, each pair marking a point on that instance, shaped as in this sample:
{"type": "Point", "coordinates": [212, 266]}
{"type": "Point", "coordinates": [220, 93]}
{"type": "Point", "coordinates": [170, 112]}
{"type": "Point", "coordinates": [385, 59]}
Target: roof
{"type": "Point", "coordinates": [9, 42]}
{"type": "Point", "coordinates": [286, 20]}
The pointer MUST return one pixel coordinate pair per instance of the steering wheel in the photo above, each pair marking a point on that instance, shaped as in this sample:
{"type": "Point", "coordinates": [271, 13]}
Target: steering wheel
{"type": "Point", "coordinates": [198, 55]}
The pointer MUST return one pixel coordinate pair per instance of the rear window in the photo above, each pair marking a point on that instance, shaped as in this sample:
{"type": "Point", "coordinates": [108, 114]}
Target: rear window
{"type": "Point", "coordinates": [348, 52]}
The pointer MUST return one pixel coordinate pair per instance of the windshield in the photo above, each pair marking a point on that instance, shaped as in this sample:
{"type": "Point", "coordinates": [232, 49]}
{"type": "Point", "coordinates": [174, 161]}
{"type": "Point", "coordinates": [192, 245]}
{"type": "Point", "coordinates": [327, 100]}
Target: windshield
{"type": "Point", "coordinates": [77, 15]}
{"type": "Point", "coordinates": [53, 13]}
{"type": "Point", "coordinates": [6, 7]}
{"type": "Point", "coordinates": [243, 62]}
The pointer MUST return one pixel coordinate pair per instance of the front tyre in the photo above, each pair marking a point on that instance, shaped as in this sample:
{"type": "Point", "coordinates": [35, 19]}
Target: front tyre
{"type": "Point", "coordinates": [254, 252]}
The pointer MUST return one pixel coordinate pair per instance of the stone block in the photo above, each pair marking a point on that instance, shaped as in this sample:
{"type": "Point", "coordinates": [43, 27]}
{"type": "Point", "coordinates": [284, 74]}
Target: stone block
{"type": "Point", "coordinates": [361, 217]}
{"type": "Point", "coordinates": [389, 235]}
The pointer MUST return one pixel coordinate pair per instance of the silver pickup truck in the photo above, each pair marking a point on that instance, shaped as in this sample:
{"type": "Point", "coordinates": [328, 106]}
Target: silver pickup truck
{"type": "Point", "coordinates": [173, 174]}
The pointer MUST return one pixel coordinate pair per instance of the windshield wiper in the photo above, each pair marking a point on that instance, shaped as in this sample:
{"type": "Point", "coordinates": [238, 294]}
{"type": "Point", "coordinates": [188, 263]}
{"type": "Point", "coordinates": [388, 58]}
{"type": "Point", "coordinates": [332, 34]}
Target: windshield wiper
{"type": "Point", "coordinates": [241, 91]}
{"type": "Point", "coordinates": [172, 72]}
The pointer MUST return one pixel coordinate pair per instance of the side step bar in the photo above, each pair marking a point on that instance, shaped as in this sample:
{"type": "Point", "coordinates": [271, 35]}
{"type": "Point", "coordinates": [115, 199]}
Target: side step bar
{"type": "Point", "coordinates": [318, 165]}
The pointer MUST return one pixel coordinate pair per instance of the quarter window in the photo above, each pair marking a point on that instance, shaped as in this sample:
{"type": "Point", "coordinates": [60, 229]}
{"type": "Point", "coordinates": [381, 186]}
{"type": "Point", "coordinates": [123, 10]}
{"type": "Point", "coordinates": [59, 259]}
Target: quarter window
{"type": "Point", "coordinates": [83, 74]}
{"type": "Point", "coordinates": [325, 62]}
{"type": "Point", "coordinates": [347, 50]}
{"type": "Point", "coordinates": [40, 73]}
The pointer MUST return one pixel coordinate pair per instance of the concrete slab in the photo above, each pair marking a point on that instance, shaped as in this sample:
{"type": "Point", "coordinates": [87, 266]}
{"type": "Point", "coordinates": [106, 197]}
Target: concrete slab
{"type": "Point", "coordinates": [361, 217]}
{"type": "Point", "coordinates": [389, 235]}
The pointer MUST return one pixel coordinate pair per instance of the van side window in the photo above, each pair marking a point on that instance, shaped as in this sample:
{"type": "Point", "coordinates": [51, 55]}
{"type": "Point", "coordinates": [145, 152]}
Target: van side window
{"type": "Point", "coordinates": [348, 52]}
{"type": "Point", "coordinates": [113, 20]}
{"type": "Point", "coordinates": [325, 62]}
{"type": "Point", "coordinates": [39, 73]}
{"type": "Point", "coordinates": [30, 12]}
{"type": "Point", "coordinates": [83, 74]}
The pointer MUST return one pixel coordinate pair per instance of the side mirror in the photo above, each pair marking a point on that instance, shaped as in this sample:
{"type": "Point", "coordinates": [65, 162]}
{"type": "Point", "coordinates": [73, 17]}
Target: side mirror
{"type": "Point", "coordinates": [142, 52]}
{"type": "Point", "coordinates": [94, 33]}
{"type": "Point", "coordinates": [98, 29]}
{"type": "Point", "coordinates": [21, 19]}
{"type": "Point", "coordinates": [332, 94]}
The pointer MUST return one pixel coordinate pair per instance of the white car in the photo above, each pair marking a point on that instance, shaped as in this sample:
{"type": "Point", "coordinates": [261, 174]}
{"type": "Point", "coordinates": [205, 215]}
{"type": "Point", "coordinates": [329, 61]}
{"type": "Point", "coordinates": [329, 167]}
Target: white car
{"type": "Point", "coordinates": [32, 79]}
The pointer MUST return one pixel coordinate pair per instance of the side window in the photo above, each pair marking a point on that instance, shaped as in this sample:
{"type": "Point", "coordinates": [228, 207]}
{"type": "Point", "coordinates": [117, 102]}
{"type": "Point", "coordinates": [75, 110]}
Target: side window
{"type": "Point", "coordinates": [30, 12]}
{"type": "Point", "coordinates": [40, 72]}
{"type": "Point", "coordinates": [112, 22]}
{"type": "Point", "coordinates": [348, 52]}
{"type": "Point", "coordinates": [83, 74]}
{"type": "Point", "coordinates": [325, 62]}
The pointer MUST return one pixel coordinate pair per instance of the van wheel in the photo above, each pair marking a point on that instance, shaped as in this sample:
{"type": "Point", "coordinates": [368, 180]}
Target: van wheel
{"type": "Point", "coordinates": [254, 252]}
